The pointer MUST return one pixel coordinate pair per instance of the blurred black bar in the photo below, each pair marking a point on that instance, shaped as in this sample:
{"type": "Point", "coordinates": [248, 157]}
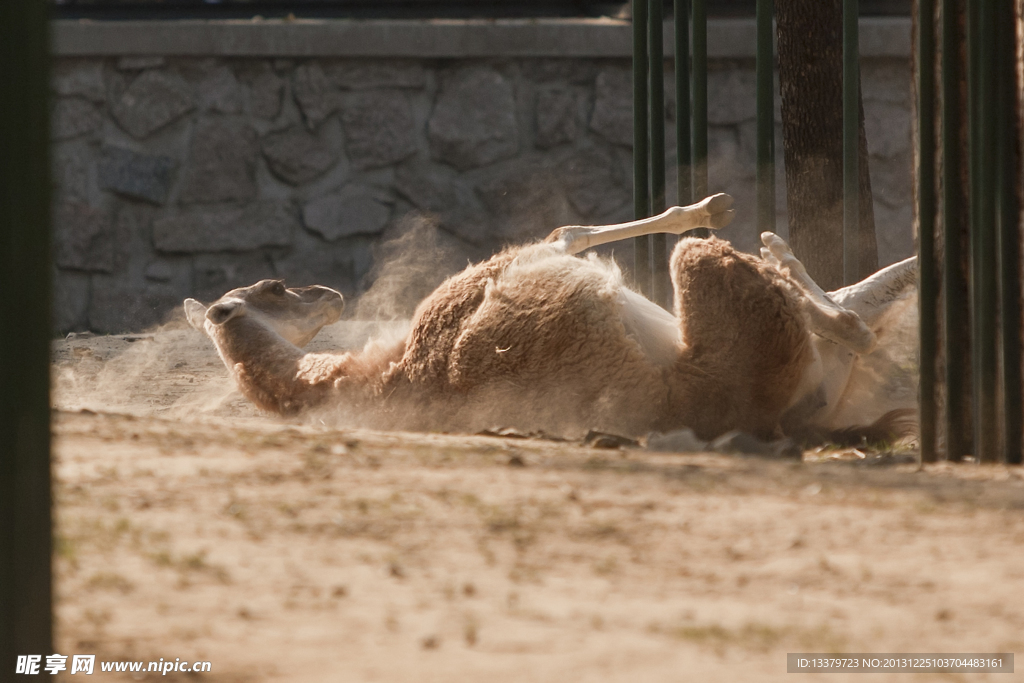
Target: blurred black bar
{"type": "Point", "coordinates": [26, 621]}
{"type": "Point", "coordinates": [399, 9]}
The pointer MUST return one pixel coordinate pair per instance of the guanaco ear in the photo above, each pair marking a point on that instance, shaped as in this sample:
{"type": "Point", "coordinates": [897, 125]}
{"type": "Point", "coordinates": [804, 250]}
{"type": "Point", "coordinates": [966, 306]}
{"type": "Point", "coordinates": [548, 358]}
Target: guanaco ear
{"type": "Point", "coordinates": [223, 311]}
{"type": "Point", "coordinates": [195, 313]}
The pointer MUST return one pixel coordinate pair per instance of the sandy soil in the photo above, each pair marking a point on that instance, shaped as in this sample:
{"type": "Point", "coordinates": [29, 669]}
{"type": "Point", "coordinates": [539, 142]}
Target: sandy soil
{"type": "Point", "coordinates": [191, 527]}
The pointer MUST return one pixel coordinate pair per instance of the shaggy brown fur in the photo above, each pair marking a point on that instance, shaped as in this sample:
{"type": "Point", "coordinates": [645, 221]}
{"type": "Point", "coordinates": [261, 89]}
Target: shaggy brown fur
{"type": "Point", "coordinates": [534, 338]}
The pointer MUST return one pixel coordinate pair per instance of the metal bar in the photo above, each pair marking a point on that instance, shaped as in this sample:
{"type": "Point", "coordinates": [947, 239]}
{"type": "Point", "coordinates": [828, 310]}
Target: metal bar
{"type": "Point", "coordinates": [641, 178]}
{"type": "Point", "coordinates": [981, 49]}
{"type": "Point", "coordinates": [986, 423]}
{"type": "Point", "coordinates": [765, 118]}
{"type": "Point", "coordinates": [954, 296]}
{"type": "Point", "coordinates": [974, 207]}
{"type": "Point", "coordinates": [700, 98]}
{"type": "Point", "coordinates": [661, 287]}
{"type": "Point", "coordinates": [1008, 221]}
{"type": "Point", "coordinates": [926, 225]}
{"type": "Point", "coordinates": [684, 148]}
{"type": "Point", "coordinates": [26, 621]}
{"type": "Point", "coordinates": [851, 142]}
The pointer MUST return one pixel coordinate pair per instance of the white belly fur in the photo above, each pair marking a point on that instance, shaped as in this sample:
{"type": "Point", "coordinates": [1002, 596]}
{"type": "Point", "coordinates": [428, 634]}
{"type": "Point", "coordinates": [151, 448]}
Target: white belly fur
{"type": "Point", "coordinates": [656, 330]}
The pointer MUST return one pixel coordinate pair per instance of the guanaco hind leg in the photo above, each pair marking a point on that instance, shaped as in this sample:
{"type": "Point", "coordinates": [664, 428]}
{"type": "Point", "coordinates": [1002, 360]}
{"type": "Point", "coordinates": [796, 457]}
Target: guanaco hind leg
{"type": "Point", "coordinates": [825, 317]}
{"type": "Point", "coordinates": [872, 297]}
{"type": "Point", "coordinates": [713, 212]}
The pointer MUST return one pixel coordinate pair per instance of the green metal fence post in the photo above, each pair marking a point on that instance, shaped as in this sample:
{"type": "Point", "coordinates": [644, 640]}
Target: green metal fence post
{"type": "Point", "coordinates": [981, 47]}
{"type": "Point", "coordinates": [25, 522]}
{"type": "Point", "coordinates": [684, 148]}
{"type": "Point", "coordinates": [851, 141]}
{"type": "Point", "coordinates": [926, 224]}
{"type": "Point", "coordinates": [661, 287]}
{"type": "Point", "coordinates": [700, 98]}
{"type": "Point", "coordinates": [641, 177]}
{"type": "Point", "coordinates": [954, 300]}
{"type": "Point", "coordinates": [765, 117]}
{"type": "Point", "coordinates": [1008, 221]}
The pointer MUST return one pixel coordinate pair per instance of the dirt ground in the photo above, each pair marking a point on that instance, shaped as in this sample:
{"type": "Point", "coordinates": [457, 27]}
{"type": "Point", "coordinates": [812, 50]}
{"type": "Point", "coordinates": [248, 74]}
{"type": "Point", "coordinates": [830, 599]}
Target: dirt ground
{"type": "Point", "coordinates": [191, 527]}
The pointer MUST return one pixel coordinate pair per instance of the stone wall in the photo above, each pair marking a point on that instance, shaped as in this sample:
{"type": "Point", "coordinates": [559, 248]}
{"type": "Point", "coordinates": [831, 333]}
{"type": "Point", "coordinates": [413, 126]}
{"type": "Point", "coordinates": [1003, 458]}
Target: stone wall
{"type": "Point", "coordinates": [187, 175]}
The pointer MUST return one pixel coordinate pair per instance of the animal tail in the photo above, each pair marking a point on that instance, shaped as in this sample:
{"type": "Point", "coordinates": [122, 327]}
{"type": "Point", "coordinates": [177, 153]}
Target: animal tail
{"type": "Point", "coordinates": [893, 426]}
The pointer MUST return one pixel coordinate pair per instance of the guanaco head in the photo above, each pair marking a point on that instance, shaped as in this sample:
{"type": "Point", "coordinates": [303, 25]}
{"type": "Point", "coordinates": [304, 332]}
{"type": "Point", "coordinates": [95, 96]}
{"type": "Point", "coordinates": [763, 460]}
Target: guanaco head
{"type": "Point", "coordinates": [295, 313]}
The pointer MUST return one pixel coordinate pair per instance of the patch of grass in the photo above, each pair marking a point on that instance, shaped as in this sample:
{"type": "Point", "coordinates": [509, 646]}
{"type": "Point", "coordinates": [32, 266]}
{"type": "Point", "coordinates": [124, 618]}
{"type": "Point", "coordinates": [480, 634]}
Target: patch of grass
{"type": "Point", "coordinates": [754, 636]}
{"type": "Point", "coordinates": [65, 549]}
{"type": "Point", "coordinates": [109, 581]}
{"type": "Point", "coordinates": [190, 564]}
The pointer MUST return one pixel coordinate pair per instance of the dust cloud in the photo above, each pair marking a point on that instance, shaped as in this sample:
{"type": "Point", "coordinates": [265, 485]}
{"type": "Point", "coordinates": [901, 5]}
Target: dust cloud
{"type": "Point", "coordinates": [173, 371]}
{"type": "Point", "coordinates": [406, 269]}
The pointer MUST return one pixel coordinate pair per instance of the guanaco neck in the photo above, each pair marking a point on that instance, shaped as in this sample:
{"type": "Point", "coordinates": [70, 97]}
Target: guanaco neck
{"type": "Point", "coordinates": [265, 365]}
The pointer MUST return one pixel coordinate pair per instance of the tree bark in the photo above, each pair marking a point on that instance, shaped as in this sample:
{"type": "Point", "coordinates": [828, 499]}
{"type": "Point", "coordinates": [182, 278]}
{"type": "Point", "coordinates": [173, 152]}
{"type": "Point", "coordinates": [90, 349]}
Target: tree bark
{"type": "Point", "coordinates": [810, 51]}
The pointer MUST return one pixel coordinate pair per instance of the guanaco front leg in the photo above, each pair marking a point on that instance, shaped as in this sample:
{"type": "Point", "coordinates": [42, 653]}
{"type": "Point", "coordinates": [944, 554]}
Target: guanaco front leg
{"type": "Point", "coordinates": [826, 318]}
{"type": "Point", "coordinates": [713, 212]}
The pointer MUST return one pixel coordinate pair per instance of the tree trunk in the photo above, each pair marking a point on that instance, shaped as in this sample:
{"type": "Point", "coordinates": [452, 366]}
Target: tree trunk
{"type": "Point", "coordinates": [810, 49]}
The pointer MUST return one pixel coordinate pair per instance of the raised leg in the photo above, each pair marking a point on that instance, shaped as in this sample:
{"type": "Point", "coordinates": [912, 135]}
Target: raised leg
{"type": "Point", "coordinates": [872, 297]}
{"type": "Point", "coordinates": [746, 343]}
{"type": "Point", "coordinates": [824, 316]}
{"type": "Point", "coordinates": [712, 212]}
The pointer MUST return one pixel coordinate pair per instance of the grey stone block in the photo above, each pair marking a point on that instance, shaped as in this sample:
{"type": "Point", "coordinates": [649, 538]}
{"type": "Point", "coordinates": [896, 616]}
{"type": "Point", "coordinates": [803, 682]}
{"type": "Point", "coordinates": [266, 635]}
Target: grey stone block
{"type": "Point", "coordinates": [132, 230]}
{"type": "Point", "coordinates": [215, 275]}
{"type": "Point", "coordinates": [222, 163]}
{"type": "Point", "coordinates": [296, 156]}
{"type": "Point", "coordinates": [426, 186]}
{"type": "Point", "coordinates": [71, 170]}
{"type": "Point", "coordinates": [592, 182]}
{"type": "Point", "coordinates": [892, 179]}
{"type": "Point", "coordinates": [83, 237]}
{"type": "Point", "coordinates": [220, 91]}
{"type": "Point", "coordinates": [612, 117]}
{"type": "Point", "coordinates": [473, 122]}
{"type": "Point", "coordinates": [141, 176]}
{"type": "Point", "coordinates": [369, 74]}
{"type": "Point", "coordinates": [315, 95]}
{"type": "Point", "coordinates": [732, 96]}
{"type": "Point", "coordinates": [260, 224]}
{"type": "Point", "coordinates": [727, 160]}
{"type": "Point", "coordinates": [70, 301]}
{"type": "Point", "coordinates": [886, 80]}
{"type": "Point", "coordinates": [887, 127]}
{"type": "Point", "coordinates": [556, 117]}
{"type": "Point", "coordinates": [894, 232]}
{"type": "Point", "coordinates": [379, 128]}
{"type": "Point", "coordinates": [159, 271]}
{"type": "Point", "coordinates": [311, 261]}
{"type": "Point", "coordinates": [152, 101]}
{"type": "Point", "coordinates": [79, 78]}
{"type": "Point", "coordinates": [266, 89]}
{"type": "Point", "coordinates": [353, 210]}
{"type": "Point", "coordinates": [116, 307]}
{"type": "Point", "coordinates": [435, 190]}
{"type": "Point", "coordinates": [575, 71]}
{"type": "Point", "coordinates": [140, 62]}
{"type": "Point", "coordinates": [525, 200]}
{"type": "Point", "coordinates": [73, 116]}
